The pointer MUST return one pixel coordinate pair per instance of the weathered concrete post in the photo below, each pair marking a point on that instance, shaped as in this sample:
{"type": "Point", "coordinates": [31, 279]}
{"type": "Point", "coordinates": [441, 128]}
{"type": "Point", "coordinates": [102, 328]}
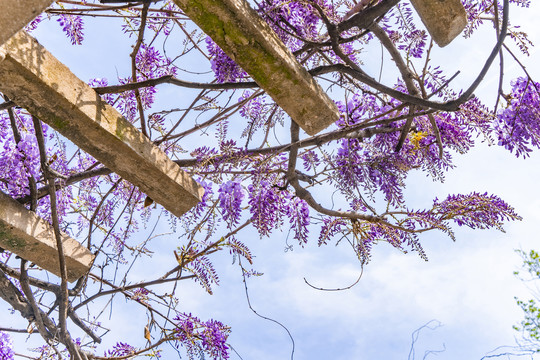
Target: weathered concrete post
{"type": "Point", "coordinates": [32, 238]}
{"type": "Point", "coordinates": [35, 80]}
{"type": "Point", "coordinates": [253, 45]}
{"type": "Point", "coordinates": [444, 19]}
{"type": "Point", "coordinates": [16, 14]}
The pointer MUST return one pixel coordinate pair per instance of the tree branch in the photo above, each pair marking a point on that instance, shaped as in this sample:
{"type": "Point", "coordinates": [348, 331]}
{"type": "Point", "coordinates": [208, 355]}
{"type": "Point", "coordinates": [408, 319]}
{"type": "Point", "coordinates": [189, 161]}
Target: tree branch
{"type": "Point", "coordinates": [365, 18]}
{"type": "Point", "coordinates": [133, 56]}
{"type": "Point", "coordinates": [305, 195]}
{"type": "Point", "coordinates": [170, 79]}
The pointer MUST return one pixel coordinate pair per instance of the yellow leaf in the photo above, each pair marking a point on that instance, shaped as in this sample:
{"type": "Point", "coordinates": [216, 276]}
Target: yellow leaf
{"type": "Point", "coordinates": [178, 257]}
{"type": "Point", "coordinates": [416, 137]}
{"type": "Point", "coordinates": [147, 335]}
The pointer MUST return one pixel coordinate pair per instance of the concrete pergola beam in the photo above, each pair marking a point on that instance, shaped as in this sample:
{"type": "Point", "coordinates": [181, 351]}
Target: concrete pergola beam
{"type": "Point", "coordinates": [35, 80]}
{"type": "Point", "coordinates": [444, 19]}
{"type": "Point", "coordinates": [253, 45]}
{"type": "Point", "coordinates": [32, 238]}
{"type": "Point", "coordinates": [16, 14]}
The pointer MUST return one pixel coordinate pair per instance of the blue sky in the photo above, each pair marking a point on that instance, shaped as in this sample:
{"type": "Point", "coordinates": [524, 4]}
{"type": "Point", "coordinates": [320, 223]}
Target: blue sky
{"type": "Point", "coordinates": [467, 285]}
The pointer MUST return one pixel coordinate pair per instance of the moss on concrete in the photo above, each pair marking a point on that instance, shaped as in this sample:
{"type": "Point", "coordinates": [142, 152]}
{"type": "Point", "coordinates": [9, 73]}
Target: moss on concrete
{"type": "Point", "coordinates": [253, 45]}
{"type": "Point", "coordinates": [8, 241]}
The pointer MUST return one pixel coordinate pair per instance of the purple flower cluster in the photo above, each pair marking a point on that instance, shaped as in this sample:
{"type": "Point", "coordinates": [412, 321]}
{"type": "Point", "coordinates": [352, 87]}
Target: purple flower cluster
{"type": "Point", "coordinates": [475, 210]}
{"type": "Point", "coordinates": [358, 167]}
{"type": "Point", "coordinates": [196, 336]}
{"type": "Point", "coordinates": [72, 25]}
{"type": "Point", "coordinates": [34, 24]}
{"type": "Point", "coordinates": [373, 165]}
{"type": "Point", "coordinates": [230, 202]}
{"type": "Point", "coordinates": [407, 37]}
{"type": "Point", "coordinates": [198, 210]}
{"type": "Point", "coordinates": [6, 347]}
{"type": "Point", "coordinates": [239, 248]}
{"type": "Point", "coordinates": [127, 103]}
{"type": "Point", "coordinates": [203, 269]}
{"type": "Point", "coordinates": [330, 228]}
{"type": "Point", "coordinates": [297, 17]}
{"type": "Point", "coordinates": [151, 63]}
{"type": "Point", "coordinates": [310, 160]}
{"type": "Point", "coordinates": [264, 205]}
{"type": "Point", "coordinates": [358, 107]}
{"type": "Point", "coordinates": [256, 111]}
{"type": "Point", "coordinates": [121, 349]}
{"type": "Point", "coordinates": [297, 210]}
{"type": "Point", "coordinates": [18, 161]}
{"type": "Point", "coordinates": [518, 126]}
{"type": "Point", "coordinates": [140, 294]}
{"type": "Point", "coordinates": [225, 69]}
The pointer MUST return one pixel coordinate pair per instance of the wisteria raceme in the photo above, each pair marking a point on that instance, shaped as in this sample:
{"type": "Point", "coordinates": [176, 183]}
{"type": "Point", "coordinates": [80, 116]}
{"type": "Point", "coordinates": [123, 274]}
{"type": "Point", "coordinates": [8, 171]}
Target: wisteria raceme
{"type": "Point", "coordinates": [310, 160]}
{"type": "Point", "coordinates": [18, 161]}
{"type": "Point", "coordinates": [297, 17]}
{"type": "Point", "coordinates": [406, 37]}
{"type": "Point", "coordinates": [369, 233]}
{"type": "Point", "coordinates": [330, 228]}
{"type": "Point", "coordinates": [72, 25]}
{"type": "Point", "coordinates": [64, 200]}
{"type": "Point", "coordinates": [6, 347]}
{"type": "Point", "coordinates": [225, 69]}
{"type": "Point", "coordinates": [475, 210]}
{"type": "Point", "coordinates": [198, 210]}
{"type": "Point", "coordinates": [265, 206]}
{"type": "Point", "coordinates": [140, 294]}
{"type": "Point", "coordinates": [34, 24]}
{"type": "Point", "coordinates": [297, 210]}
{"type": "Point", "coordinates": [478, 11]}
{"type": "Point", "coordinates": [127, 102]}
{"type": "Point", "coordinates": [518, 125]}
{"type": "Point", "coordinates": [230, 201]}
{"type": "Point", "coordinates": [356, 168]}
{"type": "Point", "coordinates": [151, 63]}
{"type": "Point", "coordinates": [258, 112]}
{"type": "Point", "coordinates": [208, 337]}
{"type": "Point", "coordinates": [121, 349]}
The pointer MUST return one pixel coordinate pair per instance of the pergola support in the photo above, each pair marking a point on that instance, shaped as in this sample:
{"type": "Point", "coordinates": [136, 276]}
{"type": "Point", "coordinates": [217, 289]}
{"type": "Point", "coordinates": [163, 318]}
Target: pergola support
{"type": "Point", "coordinates": [32, 238]}
{"type": "Point", "coordinates": [16, 14]}
{"type": "Point", "coordinates": [35, 80]}
{"type": "Point", "coordinates": [444, 19]}
{"type": "Point", "coordinates": [253, 45]}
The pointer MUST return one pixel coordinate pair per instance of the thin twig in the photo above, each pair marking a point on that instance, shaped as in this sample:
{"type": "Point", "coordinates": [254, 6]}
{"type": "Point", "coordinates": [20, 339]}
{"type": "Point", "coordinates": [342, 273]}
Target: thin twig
{"type": "Point", "coordinates": [170, 79]}
{"type": "Point", "coordinates": [262, 316]}
{"type": "Point", "coordinates": [133, 55]}
{"type": "Point", "coordinates": [501, 57]}
{"type": "Point", "coordinates": [337, 289]}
